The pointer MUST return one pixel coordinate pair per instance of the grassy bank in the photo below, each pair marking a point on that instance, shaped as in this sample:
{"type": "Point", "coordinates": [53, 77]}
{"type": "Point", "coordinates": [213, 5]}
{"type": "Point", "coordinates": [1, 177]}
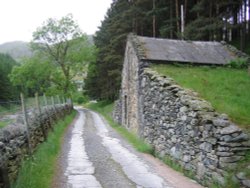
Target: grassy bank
{"type": "Point", "coordinates": [4, 123]}
{"type": "Point", "coordinates": [228, 90]}
{"type": "Point", "coordinates": [105, 109]}
{"type": "Point", "coordinates": [38, 172]}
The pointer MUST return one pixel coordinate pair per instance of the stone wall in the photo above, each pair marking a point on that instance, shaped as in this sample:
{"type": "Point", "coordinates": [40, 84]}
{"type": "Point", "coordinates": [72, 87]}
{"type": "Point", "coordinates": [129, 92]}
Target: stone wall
{"type": "Point", "coordinates": [116, 114]}
{"type": "Point", "coordinates": [129, 102]}
{"type": "Point", "coordinates": [236, 52]}
{"type": "Point", "coordinates": [176, 122]}
{"type": "Point", "coordinates": [13, 138]}
{"type": "Point", "coordinates": [179, 124]}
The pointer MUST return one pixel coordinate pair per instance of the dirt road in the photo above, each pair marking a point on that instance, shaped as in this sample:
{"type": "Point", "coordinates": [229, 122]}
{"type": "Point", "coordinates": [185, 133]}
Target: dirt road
{"type": "Point", "coordinates": [94, 156]}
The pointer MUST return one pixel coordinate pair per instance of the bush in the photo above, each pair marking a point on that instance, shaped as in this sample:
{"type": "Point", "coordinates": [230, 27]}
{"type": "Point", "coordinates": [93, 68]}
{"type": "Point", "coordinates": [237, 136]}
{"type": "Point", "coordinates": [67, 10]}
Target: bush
{"type": "Point", "coordinates": [239, 63]}
{"type": "Point", "coordinates": [81, 99]}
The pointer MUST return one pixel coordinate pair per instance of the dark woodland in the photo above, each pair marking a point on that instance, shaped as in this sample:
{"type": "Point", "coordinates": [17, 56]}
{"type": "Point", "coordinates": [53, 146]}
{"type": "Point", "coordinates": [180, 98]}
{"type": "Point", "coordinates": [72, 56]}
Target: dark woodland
{"type": "Point", "coordinates": [205, 20]}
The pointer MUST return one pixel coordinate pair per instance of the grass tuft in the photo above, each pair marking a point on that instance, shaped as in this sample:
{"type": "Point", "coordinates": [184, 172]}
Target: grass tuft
{"type": "Point", "coordinates": [106, 108]}
{"type": "Point", "coordinates": [6, 122]}
{"type": "Point", "coordinates": [225, 88]}
{"type": "Point", "coordinates": [38, 171]}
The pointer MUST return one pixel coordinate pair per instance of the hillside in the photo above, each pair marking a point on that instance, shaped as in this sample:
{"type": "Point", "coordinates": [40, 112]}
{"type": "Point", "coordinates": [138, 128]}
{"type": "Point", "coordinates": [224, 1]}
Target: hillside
{"type": "Point", "coordinates": [16, 49]}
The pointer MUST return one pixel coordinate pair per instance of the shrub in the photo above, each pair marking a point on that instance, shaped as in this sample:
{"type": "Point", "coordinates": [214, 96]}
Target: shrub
{"type": "Point", "coordinates": [239, 63]}
{"type": "Point", "coordinates": [81, 99]}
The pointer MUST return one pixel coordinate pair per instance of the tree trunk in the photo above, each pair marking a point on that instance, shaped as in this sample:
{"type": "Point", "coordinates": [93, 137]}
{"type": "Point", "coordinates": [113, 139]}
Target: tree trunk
{"type": "Point", "coordinates": [142, 30]}
{"type": "Point", "coordinates": [198, 13]}
{"type": "Point", "coordinates": [171, 19]}
{"type": "Point", "coordinates": [218, 32]}
{"type": "Point", "coordinates": [210, 18]}
{"type": "Point", "coordinates": [248, 19]}
{"type": "Point", "coordinates": [235, 23]}
{"type": "Point", "coordinates": [185, 10]}
{"type": "Point", "coordinates": [154, 20]}
{"type": "Point", "coordinates": [243, 27]}
{"type": "Point", "coordinates": [177, 16]}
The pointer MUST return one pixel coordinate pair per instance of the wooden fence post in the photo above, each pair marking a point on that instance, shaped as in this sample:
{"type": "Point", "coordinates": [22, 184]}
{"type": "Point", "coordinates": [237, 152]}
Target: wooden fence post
{"type": "Point", "coordinates": [69, 101]}
{"type": "Point", "coordinates": [50, 118]}
{"type": "Point", "coordinates": [45, 100]}
{"type": "Point", "coordinates": [26, 123]}
{"type": "Point", "coordinates": [40, 116]}
{"type": "Point", "coordinates": [53, 101]}
{"type": "Point", "coordinates": [58, 99]}
{"type": "Point", "coordinates": [54, 107]}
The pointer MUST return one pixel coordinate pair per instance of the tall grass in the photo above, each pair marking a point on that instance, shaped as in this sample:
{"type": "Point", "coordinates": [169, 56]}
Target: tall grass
{"type": "Point", "coordinates": [228, 90]}
{"type": "Point", "coordinates": [38, 171]}
{"type": "Point", "coordinates": [106, 108]}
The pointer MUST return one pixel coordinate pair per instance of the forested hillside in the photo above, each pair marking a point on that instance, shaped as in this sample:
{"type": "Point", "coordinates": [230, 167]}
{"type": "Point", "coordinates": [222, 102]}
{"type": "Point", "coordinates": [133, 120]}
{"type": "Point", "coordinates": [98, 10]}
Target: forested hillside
{"type": "Point", "coordinates": [16, 49]}
{"type": "Point", "coordinates": [7, 90]}
{"type": "Point", "coordinates": [206, 20]}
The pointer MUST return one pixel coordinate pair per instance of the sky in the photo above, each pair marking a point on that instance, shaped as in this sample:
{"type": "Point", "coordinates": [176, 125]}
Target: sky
{"type": "Point", "coordinates": [20, 18]}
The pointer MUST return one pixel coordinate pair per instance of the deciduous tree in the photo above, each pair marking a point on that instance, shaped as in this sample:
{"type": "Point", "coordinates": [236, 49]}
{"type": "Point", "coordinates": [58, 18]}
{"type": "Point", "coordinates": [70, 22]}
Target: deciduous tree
{"type": "Point", "coordinates": [63, 43]}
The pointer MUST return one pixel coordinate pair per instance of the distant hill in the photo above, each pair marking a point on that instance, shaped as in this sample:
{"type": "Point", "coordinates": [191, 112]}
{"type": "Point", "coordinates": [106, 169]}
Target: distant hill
{"type": "Point", "coordinates": [16, 49]}
{"type": "Point", "coordinates": [20, 49]}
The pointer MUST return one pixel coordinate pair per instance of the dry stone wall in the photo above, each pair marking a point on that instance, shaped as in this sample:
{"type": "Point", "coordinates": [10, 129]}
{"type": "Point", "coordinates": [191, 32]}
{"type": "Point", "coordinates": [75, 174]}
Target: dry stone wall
{"type": "Point", "coordinates": [14, 142]}
{"type": "Point", "coordinates": [176, 122]}
{"type": "Point", "coordinates": [179, 124]}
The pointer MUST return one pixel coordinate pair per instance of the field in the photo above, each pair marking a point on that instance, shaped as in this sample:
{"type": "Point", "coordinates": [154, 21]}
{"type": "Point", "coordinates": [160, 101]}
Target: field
{"type": "Point", "coordinates": [227, 89]}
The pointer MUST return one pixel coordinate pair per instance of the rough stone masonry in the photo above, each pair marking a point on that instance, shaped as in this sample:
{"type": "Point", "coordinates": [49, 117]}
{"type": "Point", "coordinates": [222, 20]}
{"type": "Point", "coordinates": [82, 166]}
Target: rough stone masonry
{"type": "Point", "coordinates": [177, 123]}
{"type": "Point", "coordinates": [13, 139]}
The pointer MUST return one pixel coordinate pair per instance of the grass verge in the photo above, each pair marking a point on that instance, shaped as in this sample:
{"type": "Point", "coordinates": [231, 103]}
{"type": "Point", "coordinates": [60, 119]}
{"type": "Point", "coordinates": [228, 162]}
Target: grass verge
{"type": "Point", "coordinates": [4, 123]}
{"type": "Point", "coordinates": [38, 171]}
{"type": "Point", "coordinates": [176, 166]}
{"type": "Point", "coordinates": [225, 88]}
{"type": "Point", "coordinates": [105, 108]}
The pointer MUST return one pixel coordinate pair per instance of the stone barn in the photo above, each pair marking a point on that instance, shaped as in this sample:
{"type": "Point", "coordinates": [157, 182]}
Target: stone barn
{"type": "Point", "coordinates": [142, 51]}
{"type": "Point", "coordinates": [174, 120]}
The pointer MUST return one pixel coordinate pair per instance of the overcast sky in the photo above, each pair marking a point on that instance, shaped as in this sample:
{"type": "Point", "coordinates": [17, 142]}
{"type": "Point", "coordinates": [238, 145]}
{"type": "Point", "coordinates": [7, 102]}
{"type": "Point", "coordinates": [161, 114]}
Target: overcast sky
{"type": "Point", "coordinates": [19, 18]}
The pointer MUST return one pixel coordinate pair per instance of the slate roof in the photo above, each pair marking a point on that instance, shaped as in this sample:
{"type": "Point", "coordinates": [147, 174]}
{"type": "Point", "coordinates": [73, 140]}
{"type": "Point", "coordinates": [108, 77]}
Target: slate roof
{"type": "Point", "coordinates": [156, 49]}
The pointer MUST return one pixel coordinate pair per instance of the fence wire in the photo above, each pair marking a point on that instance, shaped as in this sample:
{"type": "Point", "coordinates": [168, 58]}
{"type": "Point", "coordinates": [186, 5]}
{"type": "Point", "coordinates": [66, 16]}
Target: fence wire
{"type": "Point", "coordinates": [9, 110]}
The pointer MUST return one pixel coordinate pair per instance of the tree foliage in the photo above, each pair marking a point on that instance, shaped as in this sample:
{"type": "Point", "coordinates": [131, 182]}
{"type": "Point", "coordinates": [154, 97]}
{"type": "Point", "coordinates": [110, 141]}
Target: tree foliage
{"type": "Point", "coordinates": [66, 47]}
{"type": "Point", "coordinates": [32, 75]}
{"type": "Point", "coordinates": [204, 20]}
{"type": "Point", "coordinates": [7, 90]}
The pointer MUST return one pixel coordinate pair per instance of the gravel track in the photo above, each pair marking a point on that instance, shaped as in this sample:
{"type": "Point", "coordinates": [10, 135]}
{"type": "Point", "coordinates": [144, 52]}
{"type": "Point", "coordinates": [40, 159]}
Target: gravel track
{"type": "Point", "coordinates": [94, 155]}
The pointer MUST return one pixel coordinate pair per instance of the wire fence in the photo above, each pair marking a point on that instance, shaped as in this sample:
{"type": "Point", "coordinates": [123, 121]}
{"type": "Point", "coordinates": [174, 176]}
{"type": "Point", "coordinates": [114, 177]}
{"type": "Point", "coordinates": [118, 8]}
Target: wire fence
{"type": "Point", "coordinates": [9, 110]}
{"type": "Point", "coordinates": [30, 108]}
{"type": "Point", "coordinates": [9, 107]}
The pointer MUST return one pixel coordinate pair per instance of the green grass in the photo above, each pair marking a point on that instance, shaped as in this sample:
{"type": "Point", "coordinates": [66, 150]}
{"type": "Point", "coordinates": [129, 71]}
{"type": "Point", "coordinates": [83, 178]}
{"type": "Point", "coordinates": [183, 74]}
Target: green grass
{"type": "Point", "coordinates": [228, 90]}
{"type": "Point", "coordinates": [11, 109]}
{"type": "Point", "coordinates": [106, 108]}
{"type": "Point", "coordinates": [38, 171]}
{"type": "Point", "coordinates": [176, 166]}
{"type": "Point", "coordinates": [4, 123]}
